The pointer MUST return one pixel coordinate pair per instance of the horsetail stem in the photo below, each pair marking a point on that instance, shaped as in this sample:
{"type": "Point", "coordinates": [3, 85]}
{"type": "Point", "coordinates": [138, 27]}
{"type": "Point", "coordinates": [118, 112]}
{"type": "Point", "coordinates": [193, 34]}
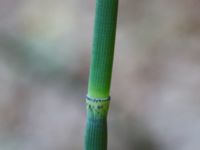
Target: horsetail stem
{"type": "Point", "coordinates": [98, 96]}
{"type": "Point", "coordinates": [103, 48]}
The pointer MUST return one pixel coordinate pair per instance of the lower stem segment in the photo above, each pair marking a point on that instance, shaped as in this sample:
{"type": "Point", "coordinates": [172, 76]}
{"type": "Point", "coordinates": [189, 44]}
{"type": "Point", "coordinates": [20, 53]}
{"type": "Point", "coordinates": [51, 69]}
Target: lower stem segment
{"type": "Point", "coordinates": [96, 126]}
{"type": "Point", "coordinates": [96, 134]}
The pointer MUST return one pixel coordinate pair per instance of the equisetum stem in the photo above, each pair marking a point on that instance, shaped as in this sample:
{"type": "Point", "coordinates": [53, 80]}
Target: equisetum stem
{"type": "Point", "coordinates": [98, 96]}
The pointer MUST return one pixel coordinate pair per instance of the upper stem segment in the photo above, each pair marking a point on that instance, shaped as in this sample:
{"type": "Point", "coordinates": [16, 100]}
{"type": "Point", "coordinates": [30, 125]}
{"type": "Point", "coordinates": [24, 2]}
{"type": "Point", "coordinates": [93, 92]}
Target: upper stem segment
{"type": "Point", "coordinates": [103, 48]}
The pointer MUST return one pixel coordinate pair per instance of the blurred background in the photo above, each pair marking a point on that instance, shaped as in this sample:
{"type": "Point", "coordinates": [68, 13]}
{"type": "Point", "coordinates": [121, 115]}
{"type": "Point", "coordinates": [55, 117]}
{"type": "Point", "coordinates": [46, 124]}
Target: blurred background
{"type": "Point", "coordinates": [44, 62]}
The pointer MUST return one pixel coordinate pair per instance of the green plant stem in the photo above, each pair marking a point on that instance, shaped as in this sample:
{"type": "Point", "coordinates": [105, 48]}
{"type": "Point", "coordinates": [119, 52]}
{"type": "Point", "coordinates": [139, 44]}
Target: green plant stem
{"type": "Point", "coordinates": [100, 74]}
{"type": "Point", "coordinates": [103, 48]}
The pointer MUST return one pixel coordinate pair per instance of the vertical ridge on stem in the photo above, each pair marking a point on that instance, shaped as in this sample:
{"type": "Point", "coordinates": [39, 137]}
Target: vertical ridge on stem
{"type": "Point", "coordinates": [98, 96]}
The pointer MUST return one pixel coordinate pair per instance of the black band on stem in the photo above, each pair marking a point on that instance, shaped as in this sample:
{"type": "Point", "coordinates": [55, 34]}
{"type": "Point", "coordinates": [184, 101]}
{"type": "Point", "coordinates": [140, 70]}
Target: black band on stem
{"type": "Point", "coordinates": [97, 99]}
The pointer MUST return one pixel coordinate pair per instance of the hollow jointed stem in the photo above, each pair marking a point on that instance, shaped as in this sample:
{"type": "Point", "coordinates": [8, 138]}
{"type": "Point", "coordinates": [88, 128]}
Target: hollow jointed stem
{"type": "Point", "coordinates": [98, 97]}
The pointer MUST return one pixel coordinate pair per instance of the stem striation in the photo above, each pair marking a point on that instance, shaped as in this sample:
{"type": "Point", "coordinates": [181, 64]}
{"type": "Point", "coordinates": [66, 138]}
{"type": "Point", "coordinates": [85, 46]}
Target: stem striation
{"type": "Point", "coordinates": [98, 97]}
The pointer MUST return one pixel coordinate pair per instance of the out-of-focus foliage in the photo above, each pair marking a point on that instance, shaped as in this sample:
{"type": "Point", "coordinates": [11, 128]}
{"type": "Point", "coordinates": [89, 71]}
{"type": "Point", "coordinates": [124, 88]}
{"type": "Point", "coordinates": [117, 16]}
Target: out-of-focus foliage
{"type": "Point", "coordinates": [44, 60]}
